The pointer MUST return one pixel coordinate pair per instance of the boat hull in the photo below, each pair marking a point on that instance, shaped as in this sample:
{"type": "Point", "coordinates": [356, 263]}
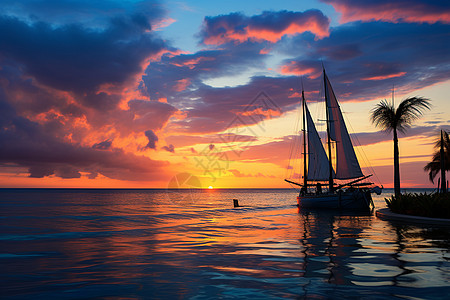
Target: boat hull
{"type": "Point", "coordinates": [348, 200]}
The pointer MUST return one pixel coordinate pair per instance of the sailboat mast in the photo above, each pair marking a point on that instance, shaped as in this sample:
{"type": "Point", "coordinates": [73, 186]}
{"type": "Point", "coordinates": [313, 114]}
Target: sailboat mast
{"type": "Point", "coordinates": [330, 179]}
{"type": "Point", "coordinates": [305, 176]}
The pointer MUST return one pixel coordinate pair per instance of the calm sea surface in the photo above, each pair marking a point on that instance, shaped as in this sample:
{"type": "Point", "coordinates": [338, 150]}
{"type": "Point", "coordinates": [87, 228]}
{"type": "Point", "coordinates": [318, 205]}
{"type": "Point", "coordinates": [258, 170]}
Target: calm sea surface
{"type": "Point", "coordinates": [158, 244]}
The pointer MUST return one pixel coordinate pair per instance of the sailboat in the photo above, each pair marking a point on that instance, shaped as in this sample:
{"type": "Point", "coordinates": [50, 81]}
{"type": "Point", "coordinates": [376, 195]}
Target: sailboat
{"type": "Point", "coordinates": [346, 187]}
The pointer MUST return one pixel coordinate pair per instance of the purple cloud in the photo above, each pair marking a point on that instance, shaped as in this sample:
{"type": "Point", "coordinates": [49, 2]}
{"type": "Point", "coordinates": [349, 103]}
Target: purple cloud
{"type": "Point", "coordinates": [169, 148]}
{"type": "Point", "coordinates": [269, 26]}
{"type": "Point", "coordinates": [152, 139]}
{"type": "Point", "coordinates": [411, 56]}
{"type": "Point", "coordinates": [428, 11]}
{"type": "Point", "coordinates": [75, 58]}
{"type": "Point", "coordinates": [27, 144]}
{"type": "Point", "coordinates": [105, 145]}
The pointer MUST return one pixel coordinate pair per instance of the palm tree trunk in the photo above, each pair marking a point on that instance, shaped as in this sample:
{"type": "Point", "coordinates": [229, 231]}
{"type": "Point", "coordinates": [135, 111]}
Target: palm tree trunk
{"type": "Point", "coordinates": [442, 154]}
{"type": "Point", "coordinates": [396, 166]}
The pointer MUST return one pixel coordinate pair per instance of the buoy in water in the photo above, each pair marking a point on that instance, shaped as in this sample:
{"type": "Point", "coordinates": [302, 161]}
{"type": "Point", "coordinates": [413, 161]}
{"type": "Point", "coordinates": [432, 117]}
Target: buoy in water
{"type": "Point", "coordinates": [235, 202]}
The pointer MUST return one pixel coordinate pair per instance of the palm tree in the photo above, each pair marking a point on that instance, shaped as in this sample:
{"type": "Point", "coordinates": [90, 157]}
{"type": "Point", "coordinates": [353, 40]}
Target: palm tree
{"type": "Point", "coordinates": [434, 167]}
{"type": "Point", "coordinates": [391, 119]}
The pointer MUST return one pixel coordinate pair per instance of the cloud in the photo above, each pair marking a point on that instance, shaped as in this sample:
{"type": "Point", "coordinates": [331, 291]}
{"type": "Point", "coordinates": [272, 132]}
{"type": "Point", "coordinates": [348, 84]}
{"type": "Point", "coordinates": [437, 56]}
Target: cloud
{"type": "Point", "coordinates": [72, 86]}
{"type": "Point", "coordinates": [411, 174]}
{"type": "Point", "coordinates": [237, 173]}
{"type": "Point", "coordinates": [278, 151]}
{"type": "Point", "coordinates": [362, 65]}
{"type": "Point", "coordinates": [169, 148]}
{"type": "Point", "coordinates": [68, 80]}
{"type": "Point", "coordinates": [269, 26]}
{"type": "Point", "coordinates": [274, 152]}
{"type": "Point", "coordinates": [144, 114]}
{"type": "Point", "coordinates": [411, 56]}
{"type": "Point", "coordinates": [369, 138]}
{"type": "Point", "coordinates": [100, 100]}
{"type": "Point", "coordinates": [222, 108]}
{"type": "Point", "coordinates": [383, 77]}
{"type": "Point", "coordinates": [27, 144]}
{"type": "Point", "coordinates": [75, 76]}
{"type": "Point", "coordinates": [182, 74]}
{"type": "Point", "coordinates": [300, 68]}
{"type": "Point", "coordinates": [75, 58]}
{"type": "Point", "coordinates": [105, 145]}
{"type": "Point", "coordinates": [421, 11]}
{"type": "Point", "coordinates": [152, 139]}
{"type": "Point", "coordinates": [65, 172]}
{"type": "Point", "coordinates": [63, 113]}
{"type": "Point", "coordinates": [220, 138]}
{"type": "Point", "coordinates": [87, 12]}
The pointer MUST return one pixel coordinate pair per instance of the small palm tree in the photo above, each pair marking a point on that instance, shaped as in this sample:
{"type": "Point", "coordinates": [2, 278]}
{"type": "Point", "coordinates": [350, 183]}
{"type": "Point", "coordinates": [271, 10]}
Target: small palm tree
{"type": "Point", "coordinates": [434, 167]}
{"type": "Point", "coordinates": [391, 119]}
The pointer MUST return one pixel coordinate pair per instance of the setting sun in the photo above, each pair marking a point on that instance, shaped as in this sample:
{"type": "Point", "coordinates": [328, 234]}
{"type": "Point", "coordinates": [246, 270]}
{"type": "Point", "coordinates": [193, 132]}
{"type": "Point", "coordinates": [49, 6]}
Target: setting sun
{"type": "Point", "coordinates": [210, 187]}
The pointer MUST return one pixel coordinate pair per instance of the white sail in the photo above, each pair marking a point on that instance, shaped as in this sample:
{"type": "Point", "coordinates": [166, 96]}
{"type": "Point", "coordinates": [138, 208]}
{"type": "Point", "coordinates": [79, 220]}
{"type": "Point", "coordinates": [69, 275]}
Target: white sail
{"type": "Point", "coordinates": [347, 166]}
{"type": "Point", "coordinates": [318, 165]}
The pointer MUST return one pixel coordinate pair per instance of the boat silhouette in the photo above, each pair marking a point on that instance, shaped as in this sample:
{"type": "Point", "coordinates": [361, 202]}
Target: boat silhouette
{"type": "Point", "coordinates": [345, 185]}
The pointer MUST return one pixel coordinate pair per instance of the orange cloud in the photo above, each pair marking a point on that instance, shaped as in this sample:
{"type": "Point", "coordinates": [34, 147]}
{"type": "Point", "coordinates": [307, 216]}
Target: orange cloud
{"type": "Point", "coordinates": [298, 69]}
{"type": "Point", "coordinates": [383, 77]}
{"type": "Point", "coordinates": [192, 62]}
{"type": "Point", "coordinates": [259, 34]}
{"type": "Point", "coordinates": [265, 51]}
{"type": "Point", "coordinates": [269, 26]}
{"type": "Point", "coordinates": [410, 11]}
{"type": "Point", "coordinates": [237, 173]}
{"type": "Point", "coordinates": [162, 23]}
{"type": "Point", "coordinates": [181, 85]}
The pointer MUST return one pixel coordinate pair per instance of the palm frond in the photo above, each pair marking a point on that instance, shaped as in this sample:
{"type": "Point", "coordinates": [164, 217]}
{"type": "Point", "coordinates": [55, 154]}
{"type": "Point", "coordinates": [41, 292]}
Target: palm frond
{"type": "Point", "coordinates": [409, 110]}
{"type": "Point", "coordinates": [437, 145]}
{"type": "Point", "coordinates": [434, 167]}
{"type": "Point", "coordinates": [388, 118]}
{"type": "Point", "coordinates": [383, 116]}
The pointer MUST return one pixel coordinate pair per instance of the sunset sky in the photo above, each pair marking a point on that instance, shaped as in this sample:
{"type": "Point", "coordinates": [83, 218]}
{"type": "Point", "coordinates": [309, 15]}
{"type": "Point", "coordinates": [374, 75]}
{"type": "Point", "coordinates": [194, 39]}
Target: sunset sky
{"type": "Point", "coordinates": [131, 93]}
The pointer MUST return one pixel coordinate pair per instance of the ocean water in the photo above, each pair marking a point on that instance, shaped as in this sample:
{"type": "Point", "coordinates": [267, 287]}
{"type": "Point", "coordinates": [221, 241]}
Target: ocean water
{"type": "Point", "coordinates": [192, 244]}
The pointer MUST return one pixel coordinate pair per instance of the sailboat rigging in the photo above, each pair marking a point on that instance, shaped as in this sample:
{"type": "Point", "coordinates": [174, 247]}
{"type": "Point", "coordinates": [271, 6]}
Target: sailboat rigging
{"type": "Point", "coordinates": [318, 167]}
